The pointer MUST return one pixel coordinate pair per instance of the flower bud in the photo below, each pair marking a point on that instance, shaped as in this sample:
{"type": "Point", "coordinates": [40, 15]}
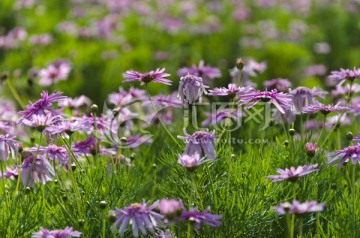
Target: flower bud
{"type": "Point", "coordinates": [292, 132]}
{"type": "Point", "coordinates": [349, 136]}
{"type": "Point", "coordinates": [310, 149]}
{"type": "Point", "coordinates": [102, 204]}
{"type": "Point", "coordinates": [94, 108]}
{"type": "Point", "coordinates": [239, 63]}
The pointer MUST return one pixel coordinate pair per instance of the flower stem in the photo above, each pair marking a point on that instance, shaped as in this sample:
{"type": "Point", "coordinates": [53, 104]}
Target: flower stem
{"type": "Point", "coordinates": [15, 94]}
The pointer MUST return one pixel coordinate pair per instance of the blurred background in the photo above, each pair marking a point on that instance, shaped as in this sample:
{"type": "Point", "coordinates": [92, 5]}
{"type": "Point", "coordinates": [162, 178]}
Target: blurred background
{"type": "Point", "coordinates": [301, 40]}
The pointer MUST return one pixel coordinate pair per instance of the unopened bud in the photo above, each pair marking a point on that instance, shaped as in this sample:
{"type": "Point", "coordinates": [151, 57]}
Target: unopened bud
{"type": "Point", "coordinates": [123, 139]}
{"type": "Point", "coordinates": [286, 143]}
{"type": "Point", "coordinates": [102, 204]}
{"type": "Point", "coordinates": [239, 63]}
{"type": "Point", "coordinates": [4, 76]}
{"type": "Point", "coordinates": [94, 108]}
{"type": "Point", "coordinates": [349, 136]}
{"type": "Point", "coordinates": [292, 132]}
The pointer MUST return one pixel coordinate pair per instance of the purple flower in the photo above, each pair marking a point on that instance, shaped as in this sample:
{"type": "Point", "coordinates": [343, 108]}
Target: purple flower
{"type": "Point", "coordinates": [310, 149]}
{"type": "Point", "coordinates": [252, 67]}
{"type": "Point", "coordinates": [201, 217]}
{"type": "Point", "coordinates": [170, 208]}
{"type": "Point", "coordinates": [190, 162]}
{"type": "Point", "coordinates": [292, 174]}
{"type": "Point", "coordinates": [220, 116]}
{"type": "Point", "coordinates": [36, 170]}
{"type": "Point", "coordinates": [191, 88]}
{"type": "Point", "coordinates": [7, 147]}
{"type": "Point", "coordinates": [43, 106]}
{"type": "Point", "coordinates": [140, 216]}
{"type": "Point", "coordinates": [123, 97]}
{"type": "Point", "coordinates": [205, 72]}
{"type": "Point", "coordinates": [303, 96]}
{"type": "Point", "coordinates": [157, 76]}
{"type": "Point", "coordinates": [355, 106]}
{"type": "Point", "coordinates": [52, 151]}
{"type": "Point", "coordinates": [278, 84]}
{"type": "Point", "coordinates": [344, 90]}
{"type": "Point", "coordinates": [66, 233]}
{"type": "Point", "coordinates": [317, 106]}
{"type": "Point", "coordinates": [168, 101]}
{"type": "Point", "coordinates": [201, 142]}
{"type": "Point", "coordinates": [351, 152]}
{"type": "Point", "coordinates": [298, 208]}
{"type": "Point", "coordinates": [75, 103]}
{"type": "Point", "coordinates": [231, 90]}
{"type": "Point", "coordinates": [343, 74]}
{"type": "Point", "coordinates": [69, 126]}
{"type": "Point", "coordinates": [40, 122]}
{"type": "Point", "coordinates": [10, 173]}
{"type": "Point", "coordinates": [43, 39]}
{"type": "Point", "coordinates": [85, 147]}
{"type": "Point", "coordinates": [55, 72]}
{"type": "Point", "coordinates": [281, 101]}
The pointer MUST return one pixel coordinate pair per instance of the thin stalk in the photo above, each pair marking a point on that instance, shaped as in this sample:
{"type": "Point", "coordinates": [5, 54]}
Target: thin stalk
{"type": "Point", "coordinates": [354, 199]}
{"type": "Point", "coordinates": [301, 227]}
{"type": "Point", "coordinates": [161, 122]}
{"type": "Point", "coordinates": [4, 187]}
{"type": "Point", "coordinates": [15, 94]}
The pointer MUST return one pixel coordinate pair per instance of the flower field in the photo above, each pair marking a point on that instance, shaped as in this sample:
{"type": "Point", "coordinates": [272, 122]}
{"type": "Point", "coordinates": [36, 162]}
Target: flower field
{"type": "Point", "coordinates": [168, 118]}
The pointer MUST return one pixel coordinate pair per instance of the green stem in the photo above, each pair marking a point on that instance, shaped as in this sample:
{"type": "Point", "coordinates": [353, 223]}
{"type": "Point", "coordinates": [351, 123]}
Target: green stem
{"type": "Point", "coordinates": [301, 227]}
{"type": "Point", "coordinates": [354, 199]}
{"type": "Point", "coordinates": [4, 187]}
{"type": "Point", "coordinates": [15, 94]}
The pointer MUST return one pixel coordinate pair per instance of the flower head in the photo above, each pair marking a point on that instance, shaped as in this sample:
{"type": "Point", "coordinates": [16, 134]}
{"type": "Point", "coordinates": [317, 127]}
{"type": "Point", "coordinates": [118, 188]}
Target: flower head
{"type": "Point", "coordinates": [141, 216]}
{"type": "Point", "coordinates": [304, 97]}
{"type": "Point", "coordinates": [35, 170]}
{"type": "Point", "coordinates": [299, 208]}
{"type": "Point", "coordinates": [292, 174]}
{"type": "Point", "coordinates": [201, 142]}
{"type": "Point", "coordinates": [310, 149]}
{"type": "Point", "coordinates": [157, 76]}
{"type": "Point", "coordinates": [66, 233]}
{"type": "Point", "coordinates": [201, 217]}
{"type": "Point", "coordinates": [190, 162]}
{"type": "Point", "coordinates": [7, 146]}
{"type": "Point", "coordinates": [343, 74]}
{"type": "Point", "coordinates": [205, 72]}
{"type": "Point", "coordinates": [317, 106]}
{"type": "Point", "coordinates": [278, 84]}
{"type": "Point", "coordinates": [170, 208]}
{"type": "Point", "coordinates": [349, 153]}
{"type": "Point", "coordinates": [55, 72]}
{"type": "Point", "coordinates": [231, 90]}
{"type": "Point", "coordinates": [43, 106]}
{"type": "Point", "coordinates": [191, 88]}
{"type": "Point", "coordinates": [123, 97]}
{"type": "Point", "coordinates": [280, 100]}
{"type": "Point", "coordinates": [221, 115]}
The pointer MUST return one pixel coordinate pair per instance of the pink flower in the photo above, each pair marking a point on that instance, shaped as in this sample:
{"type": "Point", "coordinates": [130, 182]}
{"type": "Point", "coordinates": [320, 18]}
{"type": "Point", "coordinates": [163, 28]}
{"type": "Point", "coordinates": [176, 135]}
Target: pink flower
{"type": "Point", "coordinates": [201, 142]}
{"type": "Point", "coordinates": [281, 101]}
{"type": "Point", "coordinates": [317, 106]}
{"type": "Point", "coordinates": [343, 74]}
{"type": "Point", "coordinates": [292, 174]}
{"type": "Point", "coordinates": [191, 88]}
{"type": "Point", "coordinates": [36, 170]}
{"type": "Point", "coordinates": [66, 233]}
{"type": "Point", "coordinates": [157, 76]}
{"type": "Point", "coordinates": [55, 72]}
{"type": "Point", "coordinates": [299, 208]}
